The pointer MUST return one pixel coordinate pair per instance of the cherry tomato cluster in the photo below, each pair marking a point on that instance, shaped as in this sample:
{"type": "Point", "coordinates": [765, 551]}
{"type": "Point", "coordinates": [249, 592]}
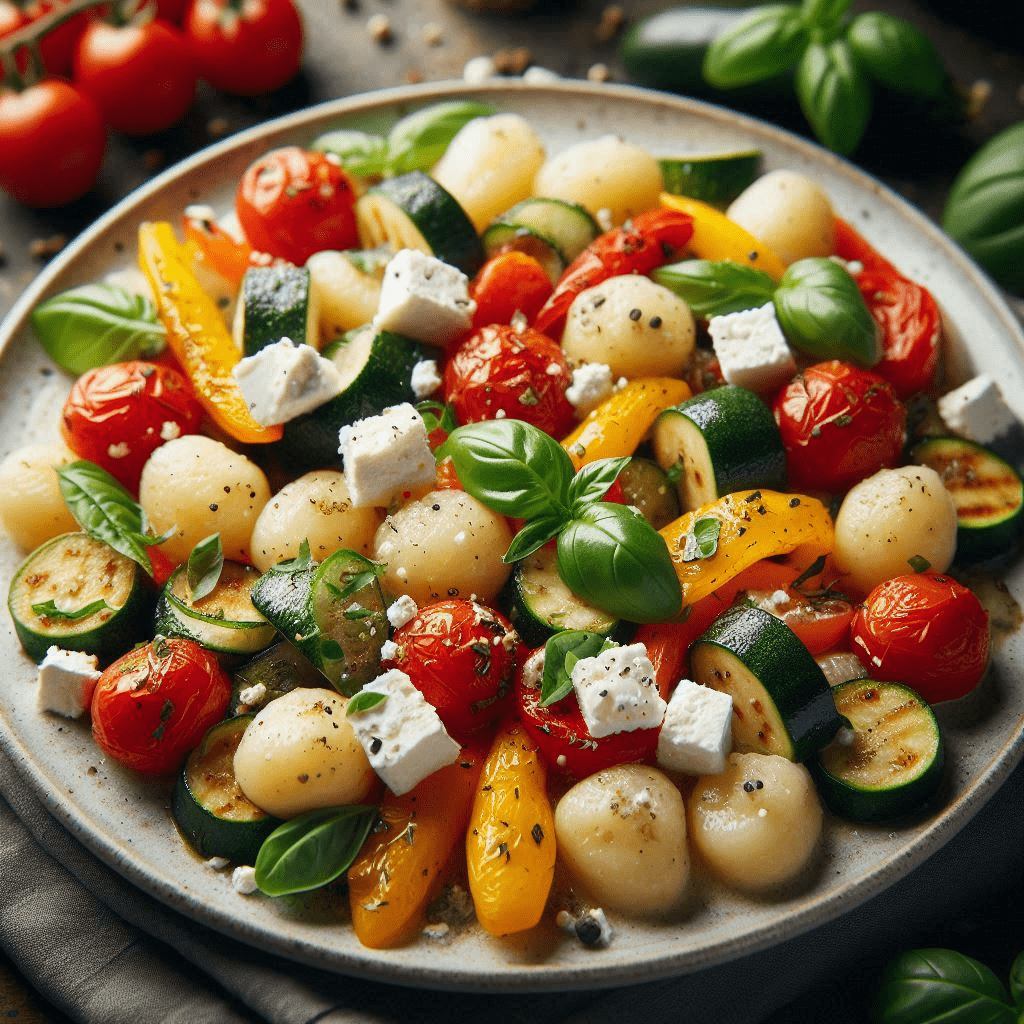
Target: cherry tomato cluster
{"type": "Point", "coordinates": [79, 67]}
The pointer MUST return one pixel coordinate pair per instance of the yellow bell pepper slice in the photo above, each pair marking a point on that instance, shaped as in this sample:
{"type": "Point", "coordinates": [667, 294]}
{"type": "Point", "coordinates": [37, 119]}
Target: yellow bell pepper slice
{"type": "Point", "coordinates": [715, 237]}
{"type": "Point", "coordinates": [402, 862]}
{"type": "Point", "coordinates": [753, 525]}
{"type": "Point", "coordinates": [197, 334]}
{"type": "Point", "coordinates": [510, 845]}
{"type": "Point", "coordinates": [618, 425]}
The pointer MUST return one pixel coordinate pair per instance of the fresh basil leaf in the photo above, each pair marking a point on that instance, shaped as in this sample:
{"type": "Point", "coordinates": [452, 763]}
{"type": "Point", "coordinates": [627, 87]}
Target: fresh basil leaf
{"type": "Point", "coordinates": [824, 16]}
{"type": "Point", "coordinates": [766, 43]}
{"type": "Point", "coordinates": [822, 313]}
{"type": "Point", "coordinates": [897, 54]}
{"type": "Point", "coordinates": [203, 569]}
{"type": "Point", "coordinates": [702, 540]}
{"type": "Point", "coordinates": [591, 483]}
{"type": "Point", "coordinates": [532, 536]}
{"type": "Point", "coordinates": [95, 325]}
{"type": "Point", "coordinates": [49, 610]}
{"type": "Point", "coordinates": [561, 652]}
{"type": "Point", "coordinates": [419, 140]}
{"type": "Point", "coordinates": [613, 558]}
{"type": "Point", "coordinates": [716, 287]}
{"type": "Point", "coordinates": [300, 563]}
{"type": "Point", "coordinates": [512, 467]}
{"type": "Point", "coordinates": [360, 153]}
{"type": "Point", "coordinates": [437, 415]}
{"type": "Point", "coordinates": [105, 510]}
{"type": "Point", "coordinates": [926, 986]}
{"type": "Point", "coordinates": [312, 850]}
{"type": "Point", "coordinates": [834, 94]}
{"type": "Point", "coordinates": [364, 701]}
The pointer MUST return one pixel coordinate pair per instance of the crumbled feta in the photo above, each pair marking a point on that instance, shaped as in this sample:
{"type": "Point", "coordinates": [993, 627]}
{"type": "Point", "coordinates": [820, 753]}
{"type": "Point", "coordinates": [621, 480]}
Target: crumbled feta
{"type": "Point", "coordinates": [976, 410]}
{"type": "Point", "coordinates": [424, 298]}
{"type": "Point", "coordinates": [696, 735]}
{"type": "Point", "coordinates": [402, 610]}
{"type": "Point", "coordinates": [751, 349]}
{"type": "Point", "coordinates": [66, 682]}
{"type": "Point", "coordinates": [386, 454]}
{"type": "Point", "coordinates": [216, 863]}
{"type": "Point", "coordinates": [403, 736]}
{"type": "Point", "coordinates": [478, 70]}
{"type": "Point", "coordinates": [389, 650]}
{"type": "Point", "coordinates": [617, 691]}
{"type": "Point", "coordinates": [591, 384]}
{"type": "Point", "coordinates": [285, 380]}
{"type": "Point", "coordinates": [243, 880]}
{"type": "Point", "coordinates": [120, 450]}
{"type": "Point", "coordinates": [169, 430]}
{"type": "Point", "coordinates": [425, 379]}
{"type": "Point", "coordinates": [533, 669]}
{"type": "Point", "coordinates": [250, 696]}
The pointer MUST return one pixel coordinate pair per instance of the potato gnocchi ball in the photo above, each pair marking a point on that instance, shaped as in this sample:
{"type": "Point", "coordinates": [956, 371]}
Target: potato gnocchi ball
{"type": "Point", "coordinates": [316, 508]}
{"type": "Point", "coordinates": [32, 508]}
{"type": "Point", "coordinates": [300, 753]}
{"type": "Point", "coordinates": [197, 486]}
{"type": "Point", "coordinates": [445, 544]}
{"type": "Point", "coordinates": [635, 326]}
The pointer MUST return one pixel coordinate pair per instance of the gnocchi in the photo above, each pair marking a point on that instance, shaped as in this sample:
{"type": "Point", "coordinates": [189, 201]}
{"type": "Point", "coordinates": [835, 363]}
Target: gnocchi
{"type": "Point", "coordinates": [32, 508]}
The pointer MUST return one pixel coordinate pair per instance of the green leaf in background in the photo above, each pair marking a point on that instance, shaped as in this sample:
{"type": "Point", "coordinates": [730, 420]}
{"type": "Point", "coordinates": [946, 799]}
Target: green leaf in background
{"type": "Point", "coordinates": [766, 43]}
{"type": "Point", "coordinates": [360, 153]}
{"type": "Point", "coordinates": [834, 94]}
{"type": "Point", "coordinates": [592, 481]}
{"type": "Point", "coordinates": [822, 313]}
{"type": "Point", "coordinates": [313, 849]}
{"type": "Point", "coordinates": [824, 16]}
{"type": "Point", "coordinates": [95, 325]}
{"type": "Point", "coordinates": [897, 54]}
{"type": "Point", "coordinates": [561, 652]}
{"type": "Point", "coordinates": [1017, 982]}
{"type": "Point", "coordinates": [716, 287]}
{"type": "Point", "coordinates": [419, 140]}
{"type": "Point", "coordinates": [203, 569]}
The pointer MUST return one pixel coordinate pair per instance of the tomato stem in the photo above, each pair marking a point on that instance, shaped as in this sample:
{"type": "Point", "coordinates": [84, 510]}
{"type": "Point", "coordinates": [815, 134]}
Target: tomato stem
{"type": "Point", "coordinates": [31, 34]}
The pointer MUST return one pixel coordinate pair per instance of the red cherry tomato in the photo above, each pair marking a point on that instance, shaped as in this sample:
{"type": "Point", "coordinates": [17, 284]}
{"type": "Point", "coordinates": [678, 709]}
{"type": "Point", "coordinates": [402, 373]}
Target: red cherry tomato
{"type": "Point", "coordinates": [906, 312]}
{"type": "Point", "coordinates": [839, 424]}
{"type": "Point", "coordinates": [141, 75]}
{"type": "Point", "coordinates": [56, 45]}
{"type": "Point", "coordinates": [508, 283]}
{"type": "Point", "coordinates": [924, 630]}
{"type": "Point", "coordinates": [118, 415]}
{"type": "Point", "coordinates": [821, 621]}
{"type": "Point", "coordinates": [462, 657]}
{"type": "Point", "coordinates": [245, 49]}
{"type": "Point", "coordinates": [641, 244]}
{"type": "Point", "coordinates": [499, 371]}
{"type": "Point", "coordinates": [171, 11]}
{"type": "Point", "coordinates": [154, 704]}
{"type": "Point", "coordinates": [293, 202]}
{"type": "Point", "coordinates": [51, 143]}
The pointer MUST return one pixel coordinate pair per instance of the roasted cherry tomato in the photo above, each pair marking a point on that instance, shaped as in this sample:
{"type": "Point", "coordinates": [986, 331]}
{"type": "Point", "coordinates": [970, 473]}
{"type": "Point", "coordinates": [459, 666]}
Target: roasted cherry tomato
{"type": "Point", "coordinates": [839, 424]}
{"type": "Point", "coordinates": [462, 657]}
{"type": "Point", "coordinates": [508, 283]}
{"type": "Point", "coordinates": [924, 630]}
{"type": "Point", "coordinates": [820, 620]}
{"type": "Point", "coordinates": [118, 415]}
{"type": "Point", "coordinates": [154, 704]}
{"type": "Point", "coordinates": [637, 247]}
{"type": "Point", "coordinates": [906, 312]}
{"type": "Point", "coordinates": [293, 202]}
{"type": "Point", "coordinates": [500, 371]}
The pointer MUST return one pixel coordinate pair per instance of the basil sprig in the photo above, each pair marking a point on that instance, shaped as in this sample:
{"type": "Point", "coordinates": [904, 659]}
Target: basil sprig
{"type": "Point", "coordinates": [608, 554]}
{"type": "Point", "coordinates": [95, 325]}
{"type": "Point", "coordinates": [561, 652]}
{"type": "Point", "coordinates": [837, 60]}
{"type": "Point", "coordinates": [313, 849]}
{"type": "Point", "coordinates": [204, 566]}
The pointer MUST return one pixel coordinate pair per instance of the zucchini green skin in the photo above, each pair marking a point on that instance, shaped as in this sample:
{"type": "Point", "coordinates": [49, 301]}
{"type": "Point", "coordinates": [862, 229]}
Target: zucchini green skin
{"type": "Point", "coordinates": [207, 804]}
{"type": "Point", "coordinates": [50, 573]}
{"type": "Point", "coordinates": [569, 227]}
{"type": "Point", "coordinates": [893, 763]}
{"type": "Point", "coordinates": [782, 702]}
{"type": "Point", "coordinates": [647, 487]}
{"type": "Point", "coordinates": [712, 178]}
{"type": "Point", "coordinates": [280, 669]}
{"type": "Point", "coordinates": [501, 235]}
{"type": "Point", "coordinates": [276, 302]}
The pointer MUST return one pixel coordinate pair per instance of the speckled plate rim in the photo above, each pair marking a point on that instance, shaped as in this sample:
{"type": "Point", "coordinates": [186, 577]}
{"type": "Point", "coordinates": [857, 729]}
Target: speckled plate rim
{"type": "Point", "coordinates": [640, 952]}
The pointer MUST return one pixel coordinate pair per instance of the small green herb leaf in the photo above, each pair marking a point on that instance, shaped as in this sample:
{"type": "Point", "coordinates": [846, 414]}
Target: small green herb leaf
{"type": "Point", "coordinates": [312, 850]}
{"type": "Point", "coordinates": [532, 536]}
{"type": "Point", "coordinates": [300, 563]}
{"type": "Point", "coordinates": [919, 563]}
{"type": "Point", "coordinates": [834, 94]}
{"type": "Point", "coordinates": [437, 415]}
{"type": "Point", "coordinates": [766, 43]}
{"type": "Point", "coordinates": [702, 540]}
{"type": "Point", "coordinates": [418, 141]}
{"type": "Point", "coordinates": [591, 483]}
{"type": "Point", "coordinates": [561, 653]}
{"type": "Point", "coordinates": [360, 153]}
{"type": "Point", "coordinates": [364, 701]}
{"type": "Point", "coordinates": [716, 287]}
{"type": "Point", "coordinates": [205, 563]}
{"type": "Point", "coordinates": [49, 610]}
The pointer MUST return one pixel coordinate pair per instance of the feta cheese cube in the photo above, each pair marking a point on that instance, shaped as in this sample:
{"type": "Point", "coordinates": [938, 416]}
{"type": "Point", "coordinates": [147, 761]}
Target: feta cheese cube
{"type": "Point", "coordinates": [386, 454]}
{"type": "Point", "coordinates": [696, 735]}
{"type": "Point", "coordinates": [66, 682]}
{"type": "Point", "coordinates": [751, 349]}
{"type": "Point", "coordinates": [402, 610]}
{"type": "Point", "coordinates": [976, 410]}
{"type": "Point", "coordinates": [617, 692]}
{"type": "Point", "coordinates": [404, 739]}
{"type": "Point", "coordinates": [591, 384]}
{"type": "Point", "coordinates": [425, 379]}
{"type": "Point", "coordinates": [285, 380]}
{"type": "Point", "coordinates": [424, 298]}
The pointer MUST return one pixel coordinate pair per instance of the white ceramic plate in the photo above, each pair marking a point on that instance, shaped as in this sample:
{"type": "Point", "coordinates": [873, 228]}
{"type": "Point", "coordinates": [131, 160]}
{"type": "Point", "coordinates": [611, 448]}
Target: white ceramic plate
{"type": "Point", "coordinates": [125, 820]}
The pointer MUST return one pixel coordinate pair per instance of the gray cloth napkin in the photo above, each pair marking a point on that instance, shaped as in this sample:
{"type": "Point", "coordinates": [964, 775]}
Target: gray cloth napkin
{"type": "Point", "coordinates": [103, 952]}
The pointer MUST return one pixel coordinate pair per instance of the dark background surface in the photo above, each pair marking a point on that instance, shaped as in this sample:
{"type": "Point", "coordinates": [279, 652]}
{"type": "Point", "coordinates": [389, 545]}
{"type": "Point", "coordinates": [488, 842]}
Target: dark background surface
{"type": "Point", "coordinates": [981, 43]}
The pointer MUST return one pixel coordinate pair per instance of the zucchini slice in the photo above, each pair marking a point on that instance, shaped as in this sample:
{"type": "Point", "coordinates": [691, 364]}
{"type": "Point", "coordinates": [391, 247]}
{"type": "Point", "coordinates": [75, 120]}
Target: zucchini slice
{"type": "Point", "coordinates": [781, 700]}
{"type": "Point", "coordinates": [274, 303]}
{"type": "Point", "coordinates": [209, 807]}
{"type": "Point", "coordinates": [718, 442]}
{"type": "Point", "coordinates": [271, 673]}
{"type": "Point", "coordinates": [987, 491]}
{"type": "Point", "coordinates": [498, 237]}
{"type": "Point", "coordinates": [334, 613]}
{"type": "Point", "coordinates": [648, 487]}
{"type": "Point", "coordinates": [82, 595]}
{"type": "Point", "coordinates": [224, 621]}
{"type": "Point", "coordinates": [889, 762]}
{"type": "Point", "coordinates": [412, 211]}
{"type": "Point", "coordinates": [715, 178]}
